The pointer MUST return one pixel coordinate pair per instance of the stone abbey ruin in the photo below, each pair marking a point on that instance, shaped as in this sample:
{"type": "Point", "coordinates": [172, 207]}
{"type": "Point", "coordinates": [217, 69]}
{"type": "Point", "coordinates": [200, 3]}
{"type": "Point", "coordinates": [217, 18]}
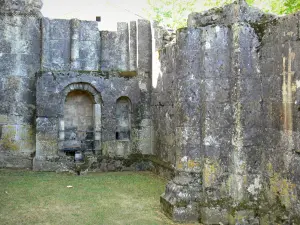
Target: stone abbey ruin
{"type": "Point", "coordinates": [222, 123]}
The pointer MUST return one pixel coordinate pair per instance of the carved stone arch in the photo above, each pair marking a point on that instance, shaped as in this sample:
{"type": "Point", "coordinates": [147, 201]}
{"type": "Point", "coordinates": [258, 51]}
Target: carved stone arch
{"type": "Point", "coordinates": [88, 121]}
{"type": "Point", "coordinates": [83, 87]}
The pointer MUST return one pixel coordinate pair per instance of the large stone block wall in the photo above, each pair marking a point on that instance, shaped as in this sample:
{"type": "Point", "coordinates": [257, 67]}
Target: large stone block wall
{"type": "Point", "coordinates": [76, 56]}
{"type": "Point", "coordinates": [222, 120]}
{"type": "Point", "coordinates": [21, 7]}
{"type": "Point", "coordinates": [236, 106]}
{"type": "Point", "coordinates": [279, 60]}
{"type": "Point", "coordinates": [51, 88]}
{"type": "Point", "coordinates": [70, 45]}
{"type": "Point", "coordinates": [163, 104]}
{"type": "Point", "coordinates": [20, 60]}
{"type": "Point", "coordinates": [42, 58]}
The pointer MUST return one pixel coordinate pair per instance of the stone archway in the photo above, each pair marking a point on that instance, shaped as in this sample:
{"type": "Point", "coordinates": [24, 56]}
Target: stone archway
{"type": "Point", "coordinates": [123, 116]}
{"type": "Point", "coordinates": [80, 126]}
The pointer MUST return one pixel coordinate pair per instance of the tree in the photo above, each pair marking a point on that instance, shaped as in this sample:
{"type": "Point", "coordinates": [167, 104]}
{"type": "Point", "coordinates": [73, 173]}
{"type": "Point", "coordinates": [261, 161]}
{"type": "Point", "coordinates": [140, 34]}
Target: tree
{"type": "Point", "coordinates": [171, 13]}
{"type": "Point", "coordinates": [270, 6]}
{"type": "Point", "coordinates": [291, 6]}
{"type": "Point", "coordinates": [207, 4]}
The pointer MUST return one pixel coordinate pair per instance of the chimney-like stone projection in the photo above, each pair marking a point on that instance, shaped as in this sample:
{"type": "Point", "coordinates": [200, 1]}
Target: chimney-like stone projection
{"type": "Point", "coordinates": [213, 108]}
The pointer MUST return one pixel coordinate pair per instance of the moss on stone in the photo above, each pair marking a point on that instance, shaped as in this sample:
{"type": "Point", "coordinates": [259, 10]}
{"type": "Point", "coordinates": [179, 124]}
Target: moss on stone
{"type": "Point", "coordinates": [283, 189]}
{"type": "Point", "coordinates": [210, 172]}
{"type": "Point", "coordinates": [260, 27]}
{"type": "Point", "coordinates": [27, 135]}
{"type": "Point", "coordinates": [8, 141]}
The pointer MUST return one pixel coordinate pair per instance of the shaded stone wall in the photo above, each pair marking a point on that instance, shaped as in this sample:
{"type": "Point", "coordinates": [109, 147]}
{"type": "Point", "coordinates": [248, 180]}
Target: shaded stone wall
{"type": "Point", "coordinates": [20, 60]}
{"type": "Point", "coordinates": [235, 98]}
{"type": "Point", "coordinates": [70, 45]}
{"type": "Point", "coordinates": [43, 60]}
{"type": "Point", "coordinates": [76, 56]}
{"type": "Point", "coordinates": [163, 103]}
{"type": "Point", "coordinates": [221, 120]}
{"type": "Point", "coordinates": [279, 60]}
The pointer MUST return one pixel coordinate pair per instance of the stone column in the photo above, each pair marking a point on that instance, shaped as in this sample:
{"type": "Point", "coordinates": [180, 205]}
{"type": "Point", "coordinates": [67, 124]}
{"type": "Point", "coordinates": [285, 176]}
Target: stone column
{"type": "Point", "coordinates": [75, 44]}
{"type": "Point", "coordinates": [61, 135]}
{"type": "Point", "coordinates": [142, 132]}
{"type": "Point", "coordinates": [97, 128]}
{"type": "Point", "coordinates": [132, 46]}
{"type": "Point", "coordinates": [123, 46]}
{"type": "Point", "coordinates": [181, 198]}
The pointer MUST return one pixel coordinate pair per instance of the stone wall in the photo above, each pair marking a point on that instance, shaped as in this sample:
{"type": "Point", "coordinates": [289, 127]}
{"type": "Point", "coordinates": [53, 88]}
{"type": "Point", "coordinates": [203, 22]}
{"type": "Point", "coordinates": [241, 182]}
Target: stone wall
{"type": "Point", "coordinates": [43, 61]}
{"type": "Point", "coordinates": [76, 56]}
{"type": "Point", "coordinates": [279, 60]}
{"type": "Point", "coordinates": [163, 101]}
{"type": "Point", "coordinates": [221, 120]}
{"type": "Point", "coordinates": [20, 60]}
{"type": "Point", "coordinates": [21, 7]}
{"type": "Point", "coordinates": [70, 44]}
{"type": "Point", "coordinates": [235, 125]}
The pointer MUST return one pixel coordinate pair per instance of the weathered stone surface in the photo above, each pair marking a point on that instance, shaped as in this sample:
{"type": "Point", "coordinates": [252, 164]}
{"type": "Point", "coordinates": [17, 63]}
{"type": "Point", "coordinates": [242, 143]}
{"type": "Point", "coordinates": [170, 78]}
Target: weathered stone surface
{"type": "Point", "coordinates": [235, 99]}
{"type": "Point", "coordinates": [52, 88]}
{"type": "Point", "coordinates": [14, 159]}
{"type": "Point", "coordinates": [214, 216]}
{"type": "Point", "coordinates": [132, 46]}
{"type": "Point", "coordinates": [19, 55]}
{"type": "Point", "coordinates": [236, 12]}
{"type": "Point", "coordinates": [115, 51]}
{"type": "Point", "coordinates": [179, 200]}
{"type": "Point", "coordinates": [90, 164]}
{"type": "Point", "coordinates": [218, 115]}
{"type": "Point", "coordinates": [70, 44]}
{"type": "Point", "coordinates": [29, 7]}
{"type": "Point", "coordinates": [144, 42]}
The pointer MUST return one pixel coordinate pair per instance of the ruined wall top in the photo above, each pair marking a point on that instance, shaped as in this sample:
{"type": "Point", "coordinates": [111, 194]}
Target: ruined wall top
{"type": "Point", "coordinates": [238, 11]}
{"type": "Point", "coordinates": [21, 7]}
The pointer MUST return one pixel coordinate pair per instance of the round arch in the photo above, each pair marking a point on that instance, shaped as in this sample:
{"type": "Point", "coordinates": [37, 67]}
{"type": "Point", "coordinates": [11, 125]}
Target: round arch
{"type": "Point", "coordinates": [83, 87]}
{"type": "Point", "coordinates": [94, 134]}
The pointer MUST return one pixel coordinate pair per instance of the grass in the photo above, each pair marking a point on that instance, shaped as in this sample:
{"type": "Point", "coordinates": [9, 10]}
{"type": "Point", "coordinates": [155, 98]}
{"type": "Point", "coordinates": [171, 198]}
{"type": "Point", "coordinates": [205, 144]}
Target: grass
{"type": "Point", "coordinates": [28, 197]}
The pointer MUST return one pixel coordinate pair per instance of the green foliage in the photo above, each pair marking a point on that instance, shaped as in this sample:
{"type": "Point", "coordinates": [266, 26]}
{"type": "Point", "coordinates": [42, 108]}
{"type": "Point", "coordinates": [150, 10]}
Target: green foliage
{"type": "Point", "coordinates": [269, 6]}
{"type": "Point", "coordinates": [216, 3]}
{"type": "Point", "coordinates": [171, 13]}
{"type": "Point", "coordinates": [291, 6]}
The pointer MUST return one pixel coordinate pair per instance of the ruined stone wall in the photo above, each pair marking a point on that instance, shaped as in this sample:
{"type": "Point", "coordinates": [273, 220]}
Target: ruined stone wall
{"type": "Point", "coordinates": [20, 59]}
{"type": "Point", "coordinates": [70, 45]}
{"type": "Point", "coordinates": [76, 56]}
{"type": "Point", "coordinates": [43, 60]}
{"type": "Point", "coordinates": [235, 120]}
{"type": "Point", "coordinates": [279, 60]}
{"type": "Point", "coordinates": [21, 7]}
{"type": "Point", "coordinates": [163, 103]}
{"type": "Point", "coordinates": [222, 118]}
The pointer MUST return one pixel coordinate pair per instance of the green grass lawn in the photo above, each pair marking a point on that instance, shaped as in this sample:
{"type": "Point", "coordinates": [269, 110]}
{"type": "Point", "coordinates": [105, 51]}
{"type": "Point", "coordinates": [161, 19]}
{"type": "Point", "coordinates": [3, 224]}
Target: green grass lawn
{"type": "Point", "coordinates": [103, 198]}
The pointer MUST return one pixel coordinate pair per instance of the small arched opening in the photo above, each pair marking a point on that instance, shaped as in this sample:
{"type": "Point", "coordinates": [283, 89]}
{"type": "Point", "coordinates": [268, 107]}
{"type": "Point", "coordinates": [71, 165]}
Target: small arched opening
{"type": "Point", "coordinates": [123, 116]}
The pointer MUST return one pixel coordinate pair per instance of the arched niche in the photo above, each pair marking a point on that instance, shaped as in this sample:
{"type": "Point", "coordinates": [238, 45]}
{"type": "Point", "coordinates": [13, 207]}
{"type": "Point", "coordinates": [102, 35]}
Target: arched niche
{"type": "Point", "coordinates": [123, 117]}
{"type": "Point", "coordinates": [80, 126]}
